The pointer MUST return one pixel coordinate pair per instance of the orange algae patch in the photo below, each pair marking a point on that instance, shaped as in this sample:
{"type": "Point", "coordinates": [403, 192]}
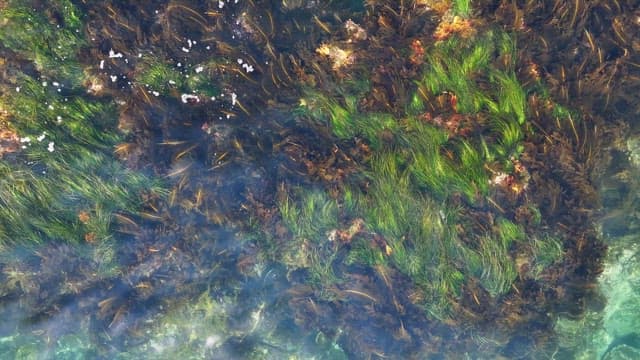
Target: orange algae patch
{"type": "Point", "coordinates": [455, 25]}
{"type": "Point", "coordinates": [339, 57]}
{"type": "Point", "coordinates": [9, 140]}
{"type": "Point", "coordinates": [439, 6]}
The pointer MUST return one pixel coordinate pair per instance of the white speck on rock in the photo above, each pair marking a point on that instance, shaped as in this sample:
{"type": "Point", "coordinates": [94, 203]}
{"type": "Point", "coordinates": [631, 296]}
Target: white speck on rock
{"type": "Point", "coordinates": [113, 54]}
{"type": "Point", "coordinates": [186, 97]}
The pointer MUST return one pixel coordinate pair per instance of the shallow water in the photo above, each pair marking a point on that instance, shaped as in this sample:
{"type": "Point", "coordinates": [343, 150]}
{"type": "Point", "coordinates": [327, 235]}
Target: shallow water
{"type": "Point", "coordinates": [269, 180]}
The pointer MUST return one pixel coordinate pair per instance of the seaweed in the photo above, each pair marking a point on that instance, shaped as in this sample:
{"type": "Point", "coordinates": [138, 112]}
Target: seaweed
{"type": "Point", "coordinates": [310, 220]}
{"type": "Point", "coordinates": [417, 164]}
{"type": "Point", "coordinates": [428, 184]}
{"type": "Point", "coordinates": [462, 8]}
{"type": "Point", "coordinates": [65, 185]}
{"type": "Point", "coordinates": [49, 41]}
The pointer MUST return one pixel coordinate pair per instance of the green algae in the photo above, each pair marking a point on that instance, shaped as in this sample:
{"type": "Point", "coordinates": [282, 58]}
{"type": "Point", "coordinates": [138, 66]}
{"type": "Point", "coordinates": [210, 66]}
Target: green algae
{"type": "Point", "coordinates": [167, 79]}
{"type": "Point", "coordinates": [462, 8]}
{"type": "Point", "coordinates": [51, 47]}
{"type": "Point", "coordinates": [66, 167]}
{"type": "Point", "coordinates": [416, 168]}
{"type": "Point", "coordinates": [491, 262]}
{"type": "Point", "coordinates": [310, 220]}
{"type": "Point", "coordinates": [413, 192]}
{"type": "Point", "coordinates": [158, 76]}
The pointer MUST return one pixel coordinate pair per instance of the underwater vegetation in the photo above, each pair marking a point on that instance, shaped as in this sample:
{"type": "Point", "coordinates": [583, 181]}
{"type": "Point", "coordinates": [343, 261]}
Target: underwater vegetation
{"type": "Point", "coordinates": [310, 223]}
{"type": "Point", "coordinates": [445, 191]}
{"type": "Point", "coordinates": [419, 166]}
{"type": "Point", "coordinates": [166, 80]}
{"type": "Point", "coordinates": [64, 184]}
{"type": "Point", "coordinates": [215, 178]}
{"type": "Point", "coordinates": [50, 41]}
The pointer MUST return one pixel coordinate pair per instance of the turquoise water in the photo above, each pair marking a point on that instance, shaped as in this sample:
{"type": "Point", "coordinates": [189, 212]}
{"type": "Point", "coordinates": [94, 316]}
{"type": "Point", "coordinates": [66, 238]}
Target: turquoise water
{"type": "Point", "coordinates": [609, 331]}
